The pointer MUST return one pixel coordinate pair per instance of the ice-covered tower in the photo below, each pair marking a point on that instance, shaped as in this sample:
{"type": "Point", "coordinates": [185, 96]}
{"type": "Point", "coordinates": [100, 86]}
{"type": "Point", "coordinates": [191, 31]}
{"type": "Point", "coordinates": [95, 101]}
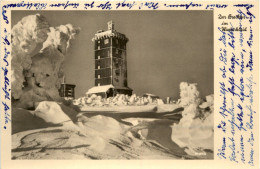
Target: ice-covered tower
{"type": "Point", "coordinates": [110, 61]}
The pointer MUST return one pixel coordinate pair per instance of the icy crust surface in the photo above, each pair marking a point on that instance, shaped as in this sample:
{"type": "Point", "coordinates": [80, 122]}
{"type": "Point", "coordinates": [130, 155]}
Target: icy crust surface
{"type": "Point", "coordinates": [38, 53]}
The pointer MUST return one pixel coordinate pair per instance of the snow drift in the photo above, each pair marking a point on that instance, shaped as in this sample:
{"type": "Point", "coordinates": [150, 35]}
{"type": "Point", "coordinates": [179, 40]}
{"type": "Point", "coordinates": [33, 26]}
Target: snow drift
{"type": "Point", "coordinates": [38, 53]}
{"type": "Point", "coordinates": [107, 136]}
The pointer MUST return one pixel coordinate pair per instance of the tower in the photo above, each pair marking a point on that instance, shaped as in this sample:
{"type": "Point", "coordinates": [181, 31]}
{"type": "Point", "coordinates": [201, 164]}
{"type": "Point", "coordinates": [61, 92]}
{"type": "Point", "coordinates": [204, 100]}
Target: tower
{"type": "Point", "coordinates": [110, 60]}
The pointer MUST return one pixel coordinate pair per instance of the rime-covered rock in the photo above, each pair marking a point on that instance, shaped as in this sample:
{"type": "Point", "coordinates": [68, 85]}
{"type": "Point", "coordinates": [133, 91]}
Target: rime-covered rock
{"type": "Point", "coordinates": [132, 99]}
{"type": "Point", "coordinates": [89, 100]}
{"type": "Point", "coordinates": [189, 94]}
{"type": "Point", "coordinates": [160, 101]}
{"type": "Point", "coordinates": [28, 36]}
{"type": "Point", "coordinates": [38, 53]}
{"type": "Point", "coordinates": [195, 128]}
{"type": "Point", "coordinates": [209, 102]}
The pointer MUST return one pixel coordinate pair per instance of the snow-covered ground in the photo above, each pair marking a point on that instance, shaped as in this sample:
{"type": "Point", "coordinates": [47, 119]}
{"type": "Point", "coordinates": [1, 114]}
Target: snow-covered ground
{"type": "Point", "coordinates": [56, 131]}
{"type": "Point", "coordinates": [101, 137]}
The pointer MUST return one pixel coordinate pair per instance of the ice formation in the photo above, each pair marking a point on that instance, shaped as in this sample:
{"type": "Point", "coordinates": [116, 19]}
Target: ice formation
{"type": "Point", "coordinates": [195, 129]}
{"type": "Point", "coordinates": [118, 100]}
{"type": "Point", "coordinates": [38, 53]}
{"type": "Point", "coordinates": [189, 94]}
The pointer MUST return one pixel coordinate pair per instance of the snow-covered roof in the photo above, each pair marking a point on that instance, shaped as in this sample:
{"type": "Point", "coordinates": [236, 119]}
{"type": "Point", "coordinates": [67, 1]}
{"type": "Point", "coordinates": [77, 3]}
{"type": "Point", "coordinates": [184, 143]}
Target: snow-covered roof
{"type": "Point", "coordinates": [99, 89]}
{"type": "Point", "coordinates": [108, 34]}
{"type": "Point", "coordinates": [151, 95]}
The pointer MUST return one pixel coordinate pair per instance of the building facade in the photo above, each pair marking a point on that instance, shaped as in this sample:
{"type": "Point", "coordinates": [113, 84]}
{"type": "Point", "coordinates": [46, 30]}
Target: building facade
{"type": "Point", "coordinates": [67, 90]}
{"type": "Point", "coordinates": [110, 60]}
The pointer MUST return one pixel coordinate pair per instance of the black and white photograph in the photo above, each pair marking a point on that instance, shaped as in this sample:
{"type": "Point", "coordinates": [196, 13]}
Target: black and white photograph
{"type": "Point", "coordinates": [109, 85]}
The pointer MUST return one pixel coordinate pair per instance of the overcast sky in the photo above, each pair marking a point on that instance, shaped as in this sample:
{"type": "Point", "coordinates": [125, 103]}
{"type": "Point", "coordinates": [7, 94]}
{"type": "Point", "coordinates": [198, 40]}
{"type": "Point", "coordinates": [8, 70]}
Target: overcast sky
{"type": "Point", "coordinates": [164, 48]}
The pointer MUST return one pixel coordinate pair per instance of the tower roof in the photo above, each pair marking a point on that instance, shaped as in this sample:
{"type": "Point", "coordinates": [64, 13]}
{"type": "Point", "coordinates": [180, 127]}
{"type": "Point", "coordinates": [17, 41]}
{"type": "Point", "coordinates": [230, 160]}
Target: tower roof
{"type": "Point", "coordinates": [111, 32]}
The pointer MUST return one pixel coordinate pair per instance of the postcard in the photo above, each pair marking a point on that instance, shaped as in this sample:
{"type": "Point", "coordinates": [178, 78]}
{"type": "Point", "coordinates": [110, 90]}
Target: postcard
{"type": "Point", "coordinates": [129, 84]}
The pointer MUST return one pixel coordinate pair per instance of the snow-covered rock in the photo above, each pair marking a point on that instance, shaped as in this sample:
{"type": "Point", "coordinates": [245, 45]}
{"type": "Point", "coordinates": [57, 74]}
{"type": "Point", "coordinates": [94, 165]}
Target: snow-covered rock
{"type": "Point", "coordinates": [132, 99]}
{"type": "Point", "coordinates": [28, 36]}
{"type": "Point", "coordinates": [181, 131]}
{"type": "Point", "coordinates": [189, 94]}
{"type": "Point", "coordinates": [38, 53]}
{"type": "Point", "coordinates": [160, 101]}
{"type": "Point", "coordinates": [118, 100]}
{"type": "Point", "coordinates": [195, 128]}
{"type": "Point", "coordinates": [209, 102]}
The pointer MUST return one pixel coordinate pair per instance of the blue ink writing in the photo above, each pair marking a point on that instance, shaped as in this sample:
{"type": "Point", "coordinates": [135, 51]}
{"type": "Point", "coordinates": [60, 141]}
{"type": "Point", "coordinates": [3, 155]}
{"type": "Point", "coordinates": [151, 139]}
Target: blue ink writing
{"type": "Point", "coordinates": [250, 40]}
{"type": "Point", "coordinates": [89, 5]}
{"type": "Point", "coordinates": [221, 152]}
{"type": "Point", "coordinates": [250, 124]}
{"type": "Point", "coordinates": [106, 5]}
{"type": "Point", "coordinates": [7, 115]}
{"type": "Point", "coordinates": [151, 5]}
{"type": "Point", "coordinates": [251, 161]}
{"type": "Point", "coordinates": [211, 6]}
{"type": "Point", "coordinates": [222, 37]}
{"type": "Point", "coordinates": [242, 149]}
{"type": "Point", "coordinates": [186, 6]}
{"type": "Point", "coordinates": [242, 66]}
{"type": "Point", "coordinates": [27, 5]}
{"type": "Point", "coordinates": [233, 85]}
{"type": "Point", "coordinates": [222, 125]}
{"type": "Point", "coordinates": [233, 149]}
{"type": "Point", "coordinates": [125, 4]}
{"type": "Point", "coordinates": [233, 63]}
{"type": "Point", "coordinates": [231, 37]}
{"type": "Point", "coordinates": [250, 62]}
{"type": "Point", "coordinates": [65, 5]}
{"type": "Point", "coordinates": [223, 56]}
{"type": "Point", "coordinates": [223, 92]}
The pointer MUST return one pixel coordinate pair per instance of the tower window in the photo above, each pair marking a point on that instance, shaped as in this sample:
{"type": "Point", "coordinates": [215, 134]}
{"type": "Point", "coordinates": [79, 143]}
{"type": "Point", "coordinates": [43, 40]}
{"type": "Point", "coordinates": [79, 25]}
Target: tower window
{"type": "Point", "coordinates": [106, 41]}
{"type": "Point", "coordinates": [98, 47]}
{"type": "Point", "coordinates": [98, 84]}
{"type": "Point", "coordinates": [98, 67]}
{"type": "Point", "coordinates": [116, 51]}
{"type": "Point", "coordinates": [99, 41]}
{"type": "Point", "coordinates": [99, 76]}
{"type": "Point", "coordinates": [98, 57]}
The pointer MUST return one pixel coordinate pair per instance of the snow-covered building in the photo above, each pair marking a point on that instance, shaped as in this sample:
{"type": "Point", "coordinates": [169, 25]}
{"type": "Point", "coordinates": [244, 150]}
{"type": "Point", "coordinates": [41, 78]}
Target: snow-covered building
{"type": "Point", "coordinates": [110, 63]}
{"type": "Point", "coordinates": [67, 90]}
